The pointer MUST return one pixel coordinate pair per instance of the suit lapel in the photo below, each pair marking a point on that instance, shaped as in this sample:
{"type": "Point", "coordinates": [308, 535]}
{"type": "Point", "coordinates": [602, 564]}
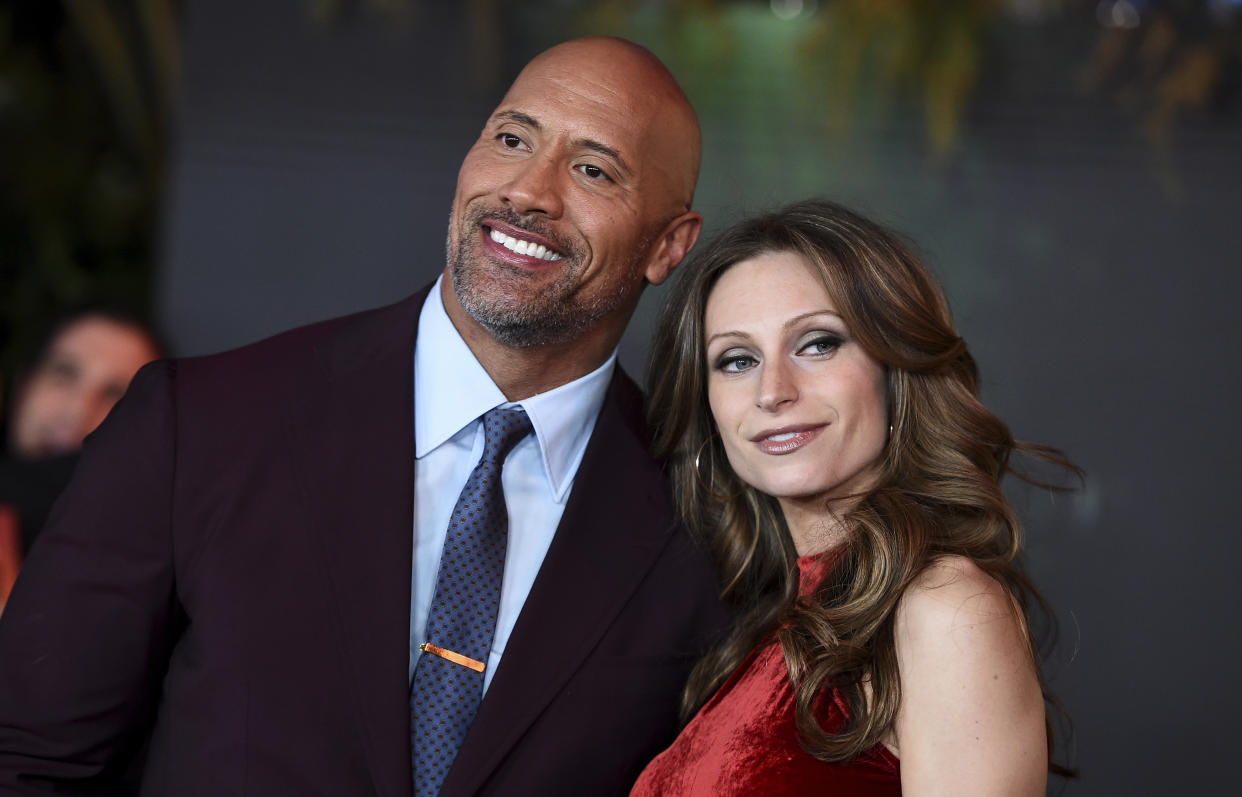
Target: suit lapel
{"type": "Point", "coordinates": [353, 440]}
{"type": "Point", "coordinates": [613, 529]}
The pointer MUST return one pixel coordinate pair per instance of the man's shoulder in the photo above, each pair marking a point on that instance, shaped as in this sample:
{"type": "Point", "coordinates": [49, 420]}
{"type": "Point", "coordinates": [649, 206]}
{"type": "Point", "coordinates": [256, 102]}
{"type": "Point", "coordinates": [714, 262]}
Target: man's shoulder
{"type": "Point", "coordinates": [331, 343]}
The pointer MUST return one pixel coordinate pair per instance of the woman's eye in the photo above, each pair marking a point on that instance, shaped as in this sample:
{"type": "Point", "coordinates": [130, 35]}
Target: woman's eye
{"type": "Point", "coordinates": [735, 363]}
{"type": "Point", "coordinates": [825, 344]}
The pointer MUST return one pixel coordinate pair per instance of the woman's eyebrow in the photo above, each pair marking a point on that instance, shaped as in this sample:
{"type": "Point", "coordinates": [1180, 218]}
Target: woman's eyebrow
{"type": "Point", "coordinates": [791, 322]}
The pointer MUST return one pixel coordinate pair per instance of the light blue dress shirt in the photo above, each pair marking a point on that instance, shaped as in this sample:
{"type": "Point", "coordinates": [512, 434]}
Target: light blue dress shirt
{"type": "Point", "coordinates": [451, 393]}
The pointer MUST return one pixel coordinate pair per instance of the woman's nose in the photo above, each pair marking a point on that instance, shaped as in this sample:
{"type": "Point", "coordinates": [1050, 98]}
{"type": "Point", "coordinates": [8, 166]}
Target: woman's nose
{"type": "Point", "coordinates": [777, 385]}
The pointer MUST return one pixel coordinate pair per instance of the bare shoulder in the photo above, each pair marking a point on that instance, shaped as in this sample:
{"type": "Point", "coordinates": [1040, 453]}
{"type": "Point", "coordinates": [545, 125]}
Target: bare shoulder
{"type": "Point", "coordinates": [956, 623]}
{"type": "Point", "coordinates": [971, 719]}
{"type": "Point", "coordinates": [954, 594]}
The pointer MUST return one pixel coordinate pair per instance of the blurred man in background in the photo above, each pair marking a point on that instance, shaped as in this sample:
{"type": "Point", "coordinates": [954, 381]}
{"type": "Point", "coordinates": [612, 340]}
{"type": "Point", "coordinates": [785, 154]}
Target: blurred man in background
{"type": "Point", "coordinates": [81, 370]}
{"type": "Point", "coordinates": [84, 368]}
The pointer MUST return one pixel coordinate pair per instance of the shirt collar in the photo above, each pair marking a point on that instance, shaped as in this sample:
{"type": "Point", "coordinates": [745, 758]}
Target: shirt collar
{"type": "Point", "coordinates": [451, 391]}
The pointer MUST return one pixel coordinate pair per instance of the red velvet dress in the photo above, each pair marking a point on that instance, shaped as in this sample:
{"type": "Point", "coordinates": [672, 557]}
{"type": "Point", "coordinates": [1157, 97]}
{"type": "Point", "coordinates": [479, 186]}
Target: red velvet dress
{"type": "Point", "coordinates": [744, 740]}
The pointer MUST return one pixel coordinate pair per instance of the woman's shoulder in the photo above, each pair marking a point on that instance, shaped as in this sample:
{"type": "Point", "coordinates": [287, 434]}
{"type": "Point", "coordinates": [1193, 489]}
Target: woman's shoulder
{"type": "Point", "coordinates": [954, 593]}
{"type": "Point", "coordinates": [972, 713]}
{"type": "Point", "coordinates": [959, 631]}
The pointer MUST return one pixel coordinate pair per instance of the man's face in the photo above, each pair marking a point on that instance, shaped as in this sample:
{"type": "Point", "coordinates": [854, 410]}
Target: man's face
{"type": "Point", "coordinates": [85, 370]}
{"type": "Point", "coordinates": [558, 205]}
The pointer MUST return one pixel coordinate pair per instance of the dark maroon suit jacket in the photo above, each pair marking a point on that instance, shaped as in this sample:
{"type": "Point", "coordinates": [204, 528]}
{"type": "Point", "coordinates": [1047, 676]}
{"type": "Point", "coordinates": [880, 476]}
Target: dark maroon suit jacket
{"type": "Point", "coordinates": [228, 575]}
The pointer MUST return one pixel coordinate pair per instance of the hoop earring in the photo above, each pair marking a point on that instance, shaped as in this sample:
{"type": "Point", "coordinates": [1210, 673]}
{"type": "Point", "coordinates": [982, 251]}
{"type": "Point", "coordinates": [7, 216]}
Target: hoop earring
{"type": "Point", "coordinates": [708, 484]}
{"type": "Point", "coordinates": [698, 474]}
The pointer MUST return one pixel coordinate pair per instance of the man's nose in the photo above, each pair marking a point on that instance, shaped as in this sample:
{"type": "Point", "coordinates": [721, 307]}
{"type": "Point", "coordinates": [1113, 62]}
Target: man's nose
{"type": "Point", "coordinates": [778, 385]}
{"type": "Point", "coordinates": [535, 187]}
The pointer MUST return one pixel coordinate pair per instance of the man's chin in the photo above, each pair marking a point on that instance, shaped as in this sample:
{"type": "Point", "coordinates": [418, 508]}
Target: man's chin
{"type": "Point", "coordinates": [524, 320]}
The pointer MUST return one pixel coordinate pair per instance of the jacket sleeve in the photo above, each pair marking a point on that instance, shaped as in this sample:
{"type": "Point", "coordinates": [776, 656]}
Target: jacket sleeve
{"type": "Point", "coordinates": [86, 635]}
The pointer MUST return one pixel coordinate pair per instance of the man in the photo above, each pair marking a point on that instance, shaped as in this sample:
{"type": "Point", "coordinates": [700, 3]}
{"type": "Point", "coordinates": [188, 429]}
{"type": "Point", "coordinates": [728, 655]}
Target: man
{"type": "Point", "coordinates": [234, 568]}
{"type": "Point", "coordinates": [83, 368]}
{"type": "Point", "coordinates": [82, 371]}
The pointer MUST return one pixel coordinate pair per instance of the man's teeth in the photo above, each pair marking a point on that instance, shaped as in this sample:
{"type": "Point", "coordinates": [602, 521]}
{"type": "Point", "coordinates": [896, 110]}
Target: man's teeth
{"type": "Point", "coordinates": [528, 248]}
{"type": "Point", "coordinates": [780, 438]}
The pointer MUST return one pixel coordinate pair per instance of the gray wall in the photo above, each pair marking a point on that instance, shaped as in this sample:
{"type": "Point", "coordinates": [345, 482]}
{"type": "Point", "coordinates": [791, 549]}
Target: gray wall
{"type": "Point", "coordinates": [1095, 275]}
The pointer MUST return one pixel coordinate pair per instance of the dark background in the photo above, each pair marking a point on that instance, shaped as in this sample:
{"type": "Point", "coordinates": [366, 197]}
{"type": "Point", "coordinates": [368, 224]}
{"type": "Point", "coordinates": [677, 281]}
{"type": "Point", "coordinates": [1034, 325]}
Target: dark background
{"type": "Point", "coordinates": [1070, 170]}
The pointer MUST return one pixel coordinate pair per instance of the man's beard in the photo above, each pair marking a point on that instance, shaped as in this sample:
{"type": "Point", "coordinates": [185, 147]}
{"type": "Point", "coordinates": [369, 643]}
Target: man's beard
{"type": "Point", "coordinates": [538, 314]}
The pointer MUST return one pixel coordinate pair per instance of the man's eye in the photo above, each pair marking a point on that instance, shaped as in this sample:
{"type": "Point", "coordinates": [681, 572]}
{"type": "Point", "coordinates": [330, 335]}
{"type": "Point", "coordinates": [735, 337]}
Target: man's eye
{"type": "Point", "coordinates": [510, 141]}
{"type": "Point", "coordinates": [593, 172]}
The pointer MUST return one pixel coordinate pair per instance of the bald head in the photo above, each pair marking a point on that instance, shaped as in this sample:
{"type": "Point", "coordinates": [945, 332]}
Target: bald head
{"type": "Point", "coordinates": [640, 87]}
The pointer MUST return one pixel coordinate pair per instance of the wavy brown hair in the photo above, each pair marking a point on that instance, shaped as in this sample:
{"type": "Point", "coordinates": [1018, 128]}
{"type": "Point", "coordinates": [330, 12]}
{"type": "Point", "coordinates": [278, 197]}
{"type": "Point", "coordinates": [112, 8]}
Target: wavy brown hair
{"type": "Point", "coordinates": [938, 492]}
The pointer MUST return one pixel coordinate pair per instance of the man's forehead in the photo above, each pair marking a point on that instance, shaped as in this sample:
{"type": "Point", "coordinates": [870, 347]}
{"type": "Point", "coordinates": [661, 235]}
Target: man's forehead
{"type": "Point", "coordinates": [593, 110]}
{"type": "Point", "coordinates": [589, 91]}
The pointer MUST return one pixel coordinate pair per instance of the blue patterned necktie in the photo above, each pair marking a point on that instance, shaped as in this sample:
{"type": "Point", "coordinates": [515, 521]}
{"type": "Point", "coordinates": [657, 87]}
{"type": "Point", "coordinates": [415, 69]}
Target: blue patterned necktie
{"type": "Point", "coordinates": [448, 679]}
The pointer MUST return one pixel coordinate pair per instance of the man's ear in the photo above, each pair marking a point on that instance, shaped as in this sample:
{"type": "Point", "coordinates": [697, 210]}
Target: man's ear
{"type": "Point", "coordinates": [675, 242]}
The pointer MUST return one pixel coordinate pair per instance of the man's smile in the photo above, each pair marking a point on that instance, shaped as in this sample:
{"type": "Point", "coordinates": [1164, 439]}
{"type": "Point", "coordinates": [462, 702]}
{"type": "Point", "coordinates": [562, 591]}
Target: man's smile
{"type": "Point", "coordinates": [521, 242]}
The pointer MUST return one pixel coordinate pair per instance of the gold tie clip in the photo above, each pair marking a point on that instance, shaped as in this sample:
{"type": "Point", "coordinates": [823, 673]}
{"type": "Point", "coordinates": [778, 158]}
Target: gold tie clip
{"type": "Point", "coordinates": [453, 656]}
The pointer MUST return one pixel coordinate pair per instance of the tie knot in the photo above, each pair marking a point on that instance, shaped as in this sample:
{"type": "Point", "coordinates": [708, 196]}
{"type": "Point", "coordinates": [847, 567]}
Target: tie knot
{"type": "Point", "coordinates": [503, 428]}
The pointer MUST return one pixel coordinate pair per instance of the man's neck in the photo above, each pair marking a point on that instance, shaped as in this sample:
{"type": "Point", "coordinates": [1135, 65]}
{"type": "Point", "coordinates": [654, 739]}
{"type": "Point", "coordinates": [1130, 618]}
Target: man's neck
{"type": "Point", "coordinates": [522, 372]}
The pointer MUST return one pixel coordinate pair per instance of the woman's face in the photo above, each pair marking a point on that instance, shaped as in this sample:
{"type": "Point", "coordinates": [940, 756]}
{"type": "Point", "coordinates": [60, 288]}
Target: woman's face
{"type": "Point", "coordinates": [799, 405]}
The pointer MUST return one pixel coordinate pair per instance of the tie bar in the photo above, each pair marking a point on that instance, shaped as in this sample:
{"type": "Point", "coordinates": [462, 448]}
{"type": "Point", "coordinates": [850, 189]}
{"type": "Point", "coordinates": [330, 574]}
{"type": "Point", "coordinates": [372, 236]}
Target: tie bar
{"type": "Point", "coordinates": [453, 656]}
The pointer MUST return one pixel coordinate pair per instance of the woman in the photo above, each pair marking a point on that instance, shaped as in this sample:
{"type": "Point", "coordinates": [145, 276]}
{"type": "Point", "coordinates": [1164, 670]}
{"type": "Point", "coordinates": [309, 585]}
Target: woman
{"type": "Point", "coordinates": [827, 441]}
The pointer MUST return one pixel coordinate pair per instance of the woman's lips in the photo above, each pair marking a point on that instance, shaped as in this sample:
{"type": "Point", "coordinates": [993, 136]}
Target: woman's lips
{"type": "Point", "coordinates": [787, 440]}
